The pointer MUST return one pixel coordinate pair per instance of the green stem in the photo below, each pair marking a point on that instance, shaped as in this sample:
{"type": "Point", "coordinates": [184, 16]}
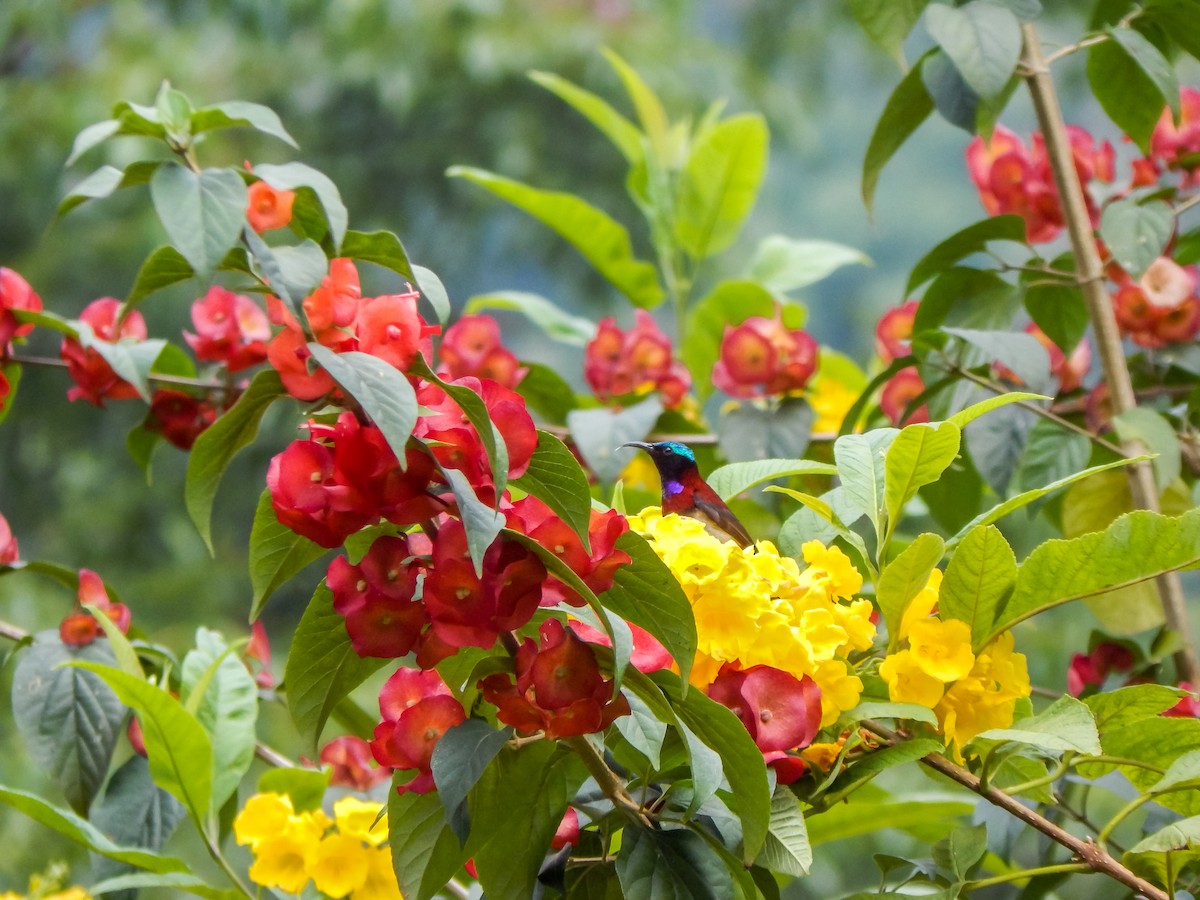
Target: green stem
{"type": "Point", "coordinates": [1057, 868]}
{"type": "Point", "coordinates": [1121, 815]}
{"type": "Point", "coordinates": [1049, 778]}
{"type": "Point", "coordinates": [215, 852]}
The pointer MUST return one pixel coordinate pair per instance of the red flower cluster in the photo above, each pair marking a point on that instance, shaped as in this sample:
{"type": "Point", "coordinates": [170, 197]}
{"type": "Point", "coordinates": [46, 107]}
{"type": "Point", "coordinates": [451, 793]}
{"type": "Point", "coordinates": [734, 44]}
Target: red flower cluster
{"type": "Point", "coordinates": [9, 553]}
{"type": "Point", "coordinates": [763, 357]}
{"type": "Point", "coordinates": [268, 208]}
{"type": "Point", "coordinates": [559, 688]}
{"type": "Point", "coordinates": [1177, 147]}
{"type": "Point", "coordinates": [80, 628]}
{"type": "Point", "coordinates": [1160, 308]}
{"type": "Point", "coordinates": [893, 340]}
{"type": "Point", "coordinates": [617, 363]}
{"type": "Point", "coordinates": [230, 329]}
{"type": "Point", "coordinates": [780, 711]}
{"type": "Point", "coordinates": [388, 327]}
{"type": "Point", "coordinates": [1091, 669]}
{"type": "Point", "coordinates": [471, 346]}
{"type": "Point", "coordinates": [179, 417]}
{"type": "Point", "coordinates": [648, 654]}
{"type": "Point", "coordinates": [417, 709]}
{"type": "Point", "coordinates": [15, 293]}
{"type": "Point", "coordinates": [1012, 178]}
{"type": "Point", "coordinates": [347, 477]}
{"type": "Point", "coordinates": [352, 764]}
{"type": "Point", "coordinates": [95, 380]}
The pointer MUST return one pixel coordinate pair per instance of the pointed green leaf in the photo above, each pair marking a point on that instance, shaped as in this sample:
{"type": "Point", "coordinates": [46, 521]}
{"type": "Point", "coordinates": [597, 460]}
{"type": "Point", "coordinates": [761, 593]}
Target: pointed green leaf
{"type": "Point", "coordinates": [289, 176]}
{"type": "Point", "coordinates": [860, 460]}
{"type": "Point", "coordinates": [978, 578]}
{"type": "Point", "coordinates": [1065, 725]}
{"type": "Point", "coordinates": [203, 213]}
{"type": "Point", "coordinates": [92, 136]}
{"type": "Point", "coordinates": [599, 434]}
{"type": "Point", "coordinates": [888, 22]}
{"type": "Point", "coordinates": [555, 477]}
{"type": "Point", "coordinates": [604, 243]}
{"type": "Point", "coordinates": [379, 247]}
{"type": "Point", "coordinates": [1157, 435]}
{"type": "Point", "coordinates": [786, 849]}
{"type": "Point", "coordinates": [649, 108]}
{"type": "Point", "coordinates": [239, 112]}
{"type": "Point", "coordinates": [784, 264]}
{"type": "Point", "coordinates": [556, 322]}
{"type": "Point", "coordinates": [918, 455]}
{"type": "Point", "coordinates": [1059, 310]}
{"type": "Point", "coordinates": [643, 729]}
{"type": "Point", "coordinates": [162, 268]}
{"type": "Point", "coordinates": [982, 39]}
{"type": "Point", "coordinates": [905, 577]}
{"type": "Point", "coordinates": [220, 442]}
{"type": "Point", "coordinates": [134, 812]}
{"type": "Point", "coordinates": [965, 417]}
{"type": "Point", "coordinates": [623, 134]}
{"type": "Point", "coordinates": [657, 865]}
{"type": "Point", "coordinates": [433, 291]}
{"type": "Point", "coordinates": [459, 759]}
{"type": "Point", "coordinates": [730, 480]}
{"type": "Point", "coordinates": [1136, 233]}
{"type": "Point", "coordinates": [481, 522]}
{"type": "Point", "coordinates": [907, 107]}
{"type": "Point", "coordinates": [1131, 704]}
{"type": "Point", "coordinates": [749, 432]}
{"type": "Point", "coordinates": [276, 554]}
{"type": "Point", "coordinates": [425, 852]}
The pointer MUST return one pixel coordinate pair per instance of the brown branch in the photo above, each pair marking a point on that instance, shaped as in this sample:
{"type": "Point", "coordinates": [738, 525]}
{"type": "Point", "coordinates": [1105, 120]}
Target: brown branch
{"type": "Point", "coordinates": [608, 781]}
{"type": "Point", "coordinates": [1086, 851]}
{"type": "Point", "coordinates": [1090, 275]}
{"type": "Point", "coordinates": [210, 384]}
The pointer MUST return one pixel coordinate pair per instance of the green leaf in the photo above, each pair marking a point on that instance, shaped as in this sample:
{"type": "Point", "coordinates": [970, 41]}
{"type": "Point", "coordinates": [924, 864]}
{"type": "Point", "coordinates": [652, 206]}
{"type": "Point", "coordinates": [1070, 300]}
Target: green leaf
{"type": "Point", "coordinates": [202, 213]}
{"type": "Point", "coordinates": [228, 708]}
{"type": "Point", "coordinates": [1059, 310]}
{"type": "Point", "coordinates": [162, 268]}
{"type": "Point", "coordinates": [1129, 96]}
{"type": "Point", "coordinates": [724, 732]}
{"type": "Point", "coordinates": [908, 106]}
{"type": "Point", "coordinates": [965, 417]}
{"type": "Point", "coordinates": [1130, 704]}
{"type": "Point", "coordinates": [382, 390]}
{"type": "Point", "coordinates": [1184, 770]}
{"type": "Point", "coordinates": [459, 759]}
{"type": "Point", "coordinates": [515, 810]}
{"type": "Point", "coordinates": [102, 183]}
{"type": "Point", "coordinates": [1051, 452]}
{"type": "Point", "coordinates": [555, 477]}
{"type": "Point", "coordinates": [306, 787]}
{"type": "Point", "coordinates": [131, 359]}
{"type": "Point", "coordinates": [1155, 743]}
{"type": "Point", "coordinates": [623, 134]}
{"type": "Point", "coordinates": [860, 460]}
{"type": "Point", "coordinates": [955, 100]}
{"type": "Point", "coordinates": [182, 881]}
{"type": "Point", "coordinates": [220, 442]}
{"type": "Point", "coordinates": [92, 136]}
{"type": "Point", "coordinates": [729, 303]}
{"type": "Point", "coordinates": [978, 579]}
{"type": "Point", "coordinates": [649, 109]}
{"type": "Point", "coordinates": [967, 298]}
{"type": "Point", "coordinates": [276, 554]}
{"type": "Point", "coordinates": [646, 593]}
{"type": "Point", "coordinates": [425, 852]}
{"type": "Point", "coordinates": [671, 865]}
{"type": "Point", "coordinates": [180, 753]}
{"type": "Point", "coordinates": [481, 522]}
{"type": "Point", "coordinates": [1065, 725]}
{"type": "Point", "coordinates": [905, 577]}
{"type": "Point", "coordinates": [784, 264]}
{"type": "Point", "coordinates": [824, 509]}
{"type": "Point", "coordinates": [997, 443]}
{"type": "Point", "coordinates": [322, 666]}
{"type": "Point", "coordinates": [603, 242]}
{"type": "Point", "coordinates": [749, 432]}
{"type": "Point", "coordinates": [918, 455]}
{"type": "Point", "coordinates": [720, 183]}
{"type": "Point", "coordinates": [855, 818]}
{"type": "Point", "coordinates": [1136, 547]}
{"type": "Point", "coordinates": [379, 247]}
{"type": "Point", "coordinates": [1136, 233]}
{"type": "Point", "coordinates": [1153, 64]}
{"type": "Point", "coordinates": [888, 22]}
{"type": "Point", "coordinates": [972, 239]}
{"type": "Point", "coordinates": [961, 849]}
{"type": "Point", "coordinates": [599, 434]}
{"type": "Point", "coordinates": [233, 113]}
{"type": "Point", "coordinates": [68, 720]}
{"type": "Point", "coordinates": [912, 711]}
{"type": "Point", "coordinates": [1158, 436]}
{"type": "Point", "coordinates": [547, 393]}
{"type": "Point", "coordinates": [1021, 353]}
{"type": "Point", "coordinates": [556, 322]}
{"type": "Point", "coordinates": [732, 479]}
{"type": "Point", "coordinates": [83, 832]}
{"type": "Point", "coordinates": [982, 39]}
{"type": "Point", "coordinates": [433, 291]}
{"type": "Point", "coordinates": [289, 176]}
{"type": "Point", "coordinates": [786, 849]}
{"type": "Point", "coordinates": [1176, 836]}
{"type": "Point", "coordinates": [134, 812]}
{"type": "Point", "coordinates": [12, 372]}
{"type": "Point", "coordinates": [643, 730]}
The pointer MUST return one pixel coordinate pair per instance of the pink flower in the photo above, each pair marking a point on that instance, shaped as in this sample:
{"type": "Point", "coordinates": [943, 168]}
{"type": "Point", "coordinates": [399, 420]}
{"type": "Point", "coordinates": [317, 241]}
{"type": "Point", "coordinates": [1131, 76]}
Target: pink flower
{"type": "Point", "coordinates": [230, 328]}
{"type": "Point", "coordinates": [617, 363]}
{"type": "Point", "coordinates": [95, 380]}
{"type": "Point", "coordinates": [763, 357]}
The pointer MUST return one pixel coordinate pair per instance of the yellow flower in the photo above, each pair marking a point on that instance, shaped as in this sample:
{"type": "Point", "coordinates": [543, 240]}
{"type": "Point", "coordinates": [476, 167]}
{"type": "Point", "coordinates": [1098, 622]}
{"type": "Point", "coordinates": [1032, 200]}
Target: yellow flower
{"type": "Point", "coordinates": [942, 649]}
{"type": "Point", "coordinates": [1005, 669]}
{"type": "Point", "coordinates": [922, 605]}
{"type": "Point", "coordinates": [831, 568]}
{"type": "Point", "coordinates": [358, 818]}
{"type": "Point", "coordinates": [907, 682]}
{"type": "Point", "coordinates": [380, 883]}
{"type": "Point", "coordinates": [640, 473]}
{"type": "Point", "coordinates": [855, 619]}
{"type": "Point", "coordinates": [831, 400]}
{"type": "Point", "coordinates": [263, 816]}
{"type": "Point", "coordinates": [71, 893]}
{"type": "Point", "coordinates": [280, 861]}
{"type": "Point", "coordinates": [822, 755]}
{"type": "Point", "coordinates": [338, 864]}
{"type": "Point", "coordinates": [987, 698]}
{"type": "Point", "coordinates": [839, 690]}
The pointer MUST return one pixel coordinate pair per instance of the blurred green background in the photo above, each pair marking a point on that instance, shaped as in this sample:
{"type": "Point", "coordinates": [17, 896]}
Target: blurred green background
{"type": "Point", "coordinates": [383, 95]}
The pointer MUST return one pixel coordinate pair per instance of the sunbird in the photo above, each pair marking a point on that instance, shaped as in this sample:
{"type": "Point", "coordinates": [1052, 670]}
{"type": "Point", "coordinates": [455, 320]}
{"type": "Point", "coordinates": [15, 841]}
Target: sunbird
{"type": "Point", "coordinates": [684, 491]}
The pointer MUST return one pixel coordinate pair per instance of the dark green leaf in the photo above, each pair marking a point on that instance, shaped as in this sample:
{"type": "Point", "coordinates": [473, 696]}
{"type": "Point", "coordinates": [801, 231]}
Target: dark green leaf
{"type": "Point", "coordinates": [425, 852]}
{"type": "Point", "coordinates": [133, 812]}
{"type": "Point", "coordinates": [603, 242]}
{"type": "Point", "coordinates": [1130, 704]}
{"type": "Point", "coordinates": [1153, 64]}
{"type": "Point", "coordinates": [459, 758]}
{"type": "Point", "coordinates": [433, 291]}
{"type": "Point", "coordinates": [276, 554]}
{"type": "Point", "coordinates": [997, 442]}
{"type": "Point", "coordinates": [982, 39]}
{"type": "Point", "coordinates": [1022, 354]}
{"type": "Point", "coordinates": [239, 112]}
{"type": "Point", "coordinates": [786, 849]}
{"type": "Point", "coordinates": [599, 433]}
{"type": "Point", "coordinates": [481, 522]}
{"type": "Point", "coordinates": [978, 579]}
{"type": "Point", "coordinates": [1126, 93]}
{"type": "Point", "coordinates": [202, 213]}
{"type": "Point", "coordinates": [956, 102]}
{"type": "Point", "coordinates": [556, 322]}
{"type": "Point", "coordinates": [918, 456]}
{"type": "Point", "coordinates": [1136, 233]}
{"type": "Point", "coordinates": [749, 432]}
{"type": "Point", "coordinates": [68, 719]}
{"type": "Point", "coordinates": [904, 577]}
{"type": "Point", "coordinates": [643, 729]}
{"type": "Point", "coordinates": [546, 393]}
{"type": "Point", "coordinates": [220, 442]}
{"type": "Point", "coordinates": [380, 247]}
{"type": "Point", "coordinates": [162, 268]}
{"type": "Point", "coordinates": [860, 463]}
{"type": "Point", "coordinates": [290, 176]}
{"type": "Point", "coordinates": [555, 477]}
{"type": "Point", "coordinates": [907, 107]}
{"type": "Point", "coordinates": [967, 298]}
{"type": "Point", "coordinates": [1059, 311]}
{"type": "Point", "coordinates": [1065, 725]}
{"type": "Point", "coordinates": [306, 787]}
{"type": "Point", "coordinates": [961, 849]}
{"type": "Point", "coordinates": [670, 865]}
{"type": "Point", "coordinates": [730, 480]}
{"type": "Point", "coordinates": [888, 22]}
{"type": "Point", "coordinates": [322, 666]}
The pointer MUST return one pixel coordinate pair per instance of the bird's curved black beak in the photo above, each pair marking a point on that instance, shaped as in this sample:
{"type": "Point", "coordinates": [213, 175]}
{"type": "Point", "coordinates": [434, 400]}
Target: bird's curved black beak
{"type": "Point", "coordinates": [641, 445]}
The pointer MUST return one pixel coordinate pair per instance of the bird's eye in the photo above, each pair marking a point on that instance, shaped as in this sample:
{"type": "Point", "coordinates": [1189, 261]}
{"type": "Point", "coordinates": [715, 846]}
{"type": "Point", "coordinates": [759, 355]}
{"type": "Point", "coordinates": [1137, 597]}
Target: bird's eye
{"type": "Point", "coordinates": [668, 450]}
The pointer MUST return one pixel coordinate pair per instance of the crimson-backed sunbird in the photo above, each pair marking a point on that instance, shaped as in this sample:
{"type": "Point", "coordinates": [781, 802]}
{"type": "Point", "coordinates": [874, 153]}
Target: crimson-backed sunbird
{"type": "Point", "coordinates": [684, 491]}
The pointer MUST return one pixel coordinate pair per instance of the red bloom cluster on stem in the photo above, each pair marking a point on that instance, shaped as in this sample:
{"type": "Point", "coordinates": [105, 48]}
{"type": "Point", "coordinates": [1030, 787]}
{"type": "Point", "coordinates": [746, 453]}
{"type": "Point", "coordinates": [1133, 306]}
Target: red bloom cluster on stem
{"type": "Point", "coordinates": [95, 380]}
{"type": "Point", "coordinates": [763, 357]}
{"type": "Point", "coordinates": [15, 294]}
{"type": "Point", "coordinates": [417, 709]}
{"type": "Point", "coordinates": [893, 340]}
{"type": "Point", "coordinates": [1162, 307]}
{"type": "Point", "coordinates": [80, 628]}
{"type": "Point", "coordinates": [617, 363]}
{"type": "Point", "coordinates": [471, 346]}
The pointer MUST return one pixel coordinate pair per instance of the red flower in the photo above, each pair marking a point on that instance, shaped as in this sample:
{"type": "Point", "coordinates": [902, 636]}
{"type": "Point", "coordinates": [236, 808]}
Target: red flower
{"type": "Point", "coordinates": [230, 328]}
{"type": "Point", "coordinates": [377, 599]}
{"type": "Point", "coordinates": [336, 302]}
{"type": "Point", "coordinates": [763, 357]}
{"type": "Point", "coordinates": [559, 687]}
{"type": "Point", "coordinates": [894, 332]}
{"type": "Point", "coordinates": [567, 831]}
{"type": "Point", "coordinates": [780, 711]}
{"type": "Point", "coordinates": [15, 293]}
{"type": "Point", "coordinates": [637, 361]}
{"type": "Point", "coordinates": [268, 208]}
{"type": "Point", "coordinates": [1188, 707]}
{"type": "Point", "coordinates": [1177, 146]}
{"type": "Point", "coordinates": [309, 499]}
{"type": "Point", "coordinates": [9, 553]}
{"type": "Point", "coordinates": [80, 628]}
{"type": "Point", "coordinates": [1095, 667]}
{"type": "Point", "coordinates": [259, 649]}
{"type": "Point", "coordinates": [648, 654]}
{"type": "Point", "coordinates": [1161, 307]}
{"type": "Point", "coordinates": [472, 346]}
{"type": "Point", "coordinates": [352, 763]}
{"type": "Point", "coordinates": [391, 328]}
{"type": "Point", "coordinates": [417, 710]}
{"type": "Point", "coordinates": [95, 381]}
{"type": "Point", "coordinates": [900, 390]}
{"type": "Point", "coordinates": [179, 417]}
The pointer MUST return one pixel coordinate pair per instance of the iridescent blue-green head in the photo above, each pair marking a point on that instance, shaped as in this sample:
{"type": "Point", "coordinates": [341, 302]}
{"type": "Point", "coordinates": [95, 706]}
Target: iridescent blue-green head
{"type": "Point", "coordinates": [673, 459]}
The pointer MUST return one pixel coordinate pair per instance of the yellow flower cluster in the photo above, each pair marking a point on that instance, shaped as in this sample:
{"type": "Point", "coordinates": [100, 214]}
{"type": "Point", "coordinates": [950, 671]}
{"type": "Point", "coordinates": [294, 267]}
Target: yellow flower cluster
{"type": "Point", "coordinates": [290, 848]}
{"type": "Point", "coordinates": [756, 607]}
{"type": "Point", "coordinates": [969, 692]}
{"type": "Point", "coordinates": [37, 891]}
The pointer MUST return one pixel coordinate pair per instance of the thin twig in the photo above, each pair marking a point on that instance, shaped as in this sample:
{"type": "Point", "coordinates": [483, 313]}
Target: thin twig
{"type": "Point", "coordinates": [210, 384]}
{"type": "Point", "coordinates": [608, 781]}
